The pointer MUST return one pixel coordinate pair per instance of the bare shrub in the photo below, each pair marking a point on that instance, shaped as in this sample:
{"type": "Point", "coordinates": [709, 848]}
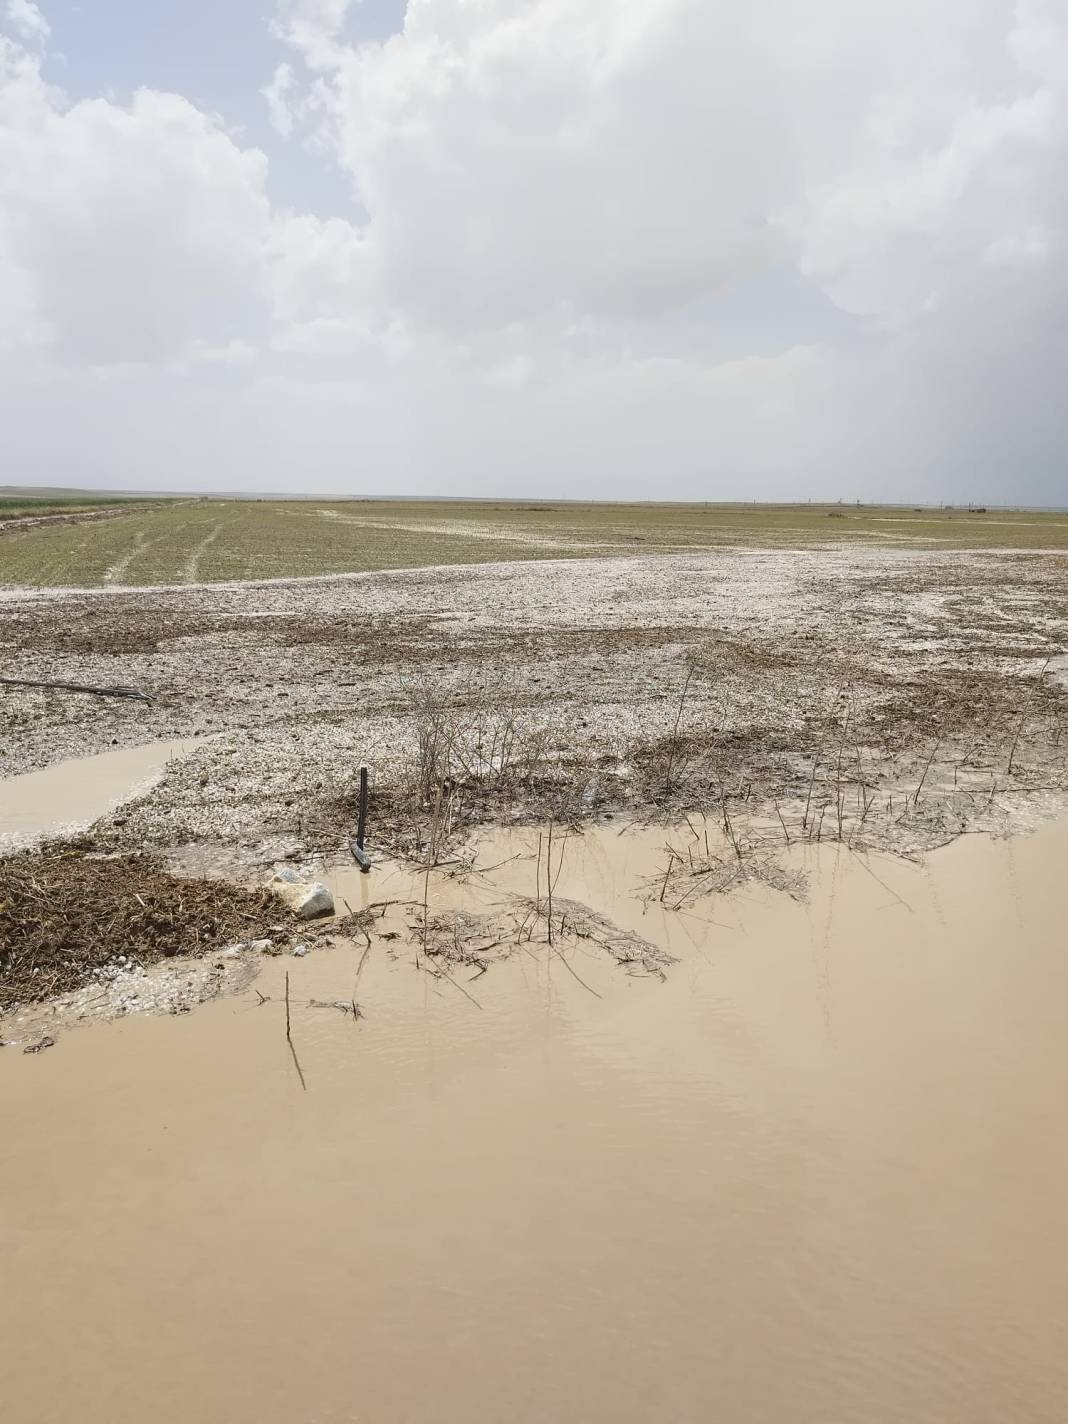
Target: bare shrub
{"type": "Point", "coordinates": [477, 752]}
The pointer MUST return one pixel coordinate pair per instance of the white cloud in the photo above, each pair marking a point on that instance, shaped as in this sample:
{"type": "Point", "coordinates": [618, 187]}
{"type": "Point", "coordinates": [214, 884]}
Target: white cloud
{"type": "Point", "coordinates": [26, 19]}
{"type": "Point", "coordinates": [547, 194]}
{"type": "Point", "coordinates": [323, 283]}
{"type": "Point", "coordinates": [135, 230]}
{"type": "Point", "coordinates": [313, 28]}
{"type": "Point", "coordinates": [279, 96]}
{"type": "Point", "coordinates": [628, 158]}
{"type": "Point", "coordinates": [538, 175]}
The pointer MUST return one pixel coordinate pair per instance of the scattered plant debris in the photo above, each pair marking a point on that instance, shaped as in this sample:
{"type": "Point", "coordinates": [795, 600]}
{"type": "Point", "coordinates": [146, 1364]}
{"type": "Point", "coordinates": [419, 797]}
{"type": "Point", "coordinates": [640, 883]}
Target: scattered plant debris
{"type": "Point", "coordinates": [65, 914]}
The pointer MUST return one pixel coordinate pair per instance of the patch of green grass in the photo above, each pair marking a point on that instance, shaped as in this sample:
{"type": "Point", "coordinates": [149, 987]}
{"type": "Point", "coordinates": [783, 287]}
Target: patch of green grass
{"type": "Point", "coordinates": [19, 506]}
{"type": "Point", "coordinates": [666, 525]}
{"type": "Point", "coordinates": [213, 540]}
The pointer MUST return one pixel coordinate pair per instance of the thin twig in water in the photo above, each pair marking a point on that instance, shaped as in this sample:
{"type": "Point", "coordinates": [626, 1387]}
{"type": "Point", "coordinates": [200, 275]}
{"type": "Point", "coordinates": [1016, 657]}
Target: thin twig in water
{"type": "Point", "coordinates": [808, 798]}
{"type": "Point", "coordinates": [426, 896]}
{"type": "Point", "coordinates": [289, 1040]}
{"type": "Point", "coordinates": [443, 974]}
{"type": "Point", "coordinates": [296, 1065]}
{"type": "Point", "coordinates": [549, 878]}
{"type": "Point", "coordinates": [727, 824]}
{"type": "Point", "coordinates": [560, 861]}
{"type": "Point", "coordinates": [359, 968]}
{"type": "Point", "coordinates": [356, 981]}
{"type": "Point", "coordinates": [667, 873]}
{"type": "Point", "coordinates": [489, 869]}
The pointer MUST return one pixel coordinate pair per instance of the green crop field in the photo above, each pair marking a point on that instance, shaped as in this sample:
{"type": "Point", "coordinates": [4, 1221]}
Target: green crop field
{"type": "Point", "coordinates": [210, 540]}
{"type": "Point", "coordinates": [22, 506]}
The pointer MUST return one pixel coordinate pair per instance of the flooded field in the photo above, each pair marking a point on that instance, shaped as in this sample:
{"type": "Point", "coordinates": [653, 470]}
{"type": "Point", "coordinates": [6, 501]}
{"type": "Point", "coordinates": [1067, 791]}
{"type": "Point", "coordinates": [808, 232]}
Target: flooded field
{"type": "Point", "coordinates": [811, 1173]}
{"type": "Point", "coordinates": [911, 693]}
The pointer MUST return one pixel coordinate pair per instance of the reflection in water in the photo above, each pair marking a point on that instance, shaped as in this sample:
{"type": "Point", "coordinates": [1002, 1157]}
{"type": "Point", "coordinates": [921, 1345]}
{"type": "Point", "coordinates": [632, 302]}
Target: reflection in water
{"type": "Point", "coordinates": [813, 1176]}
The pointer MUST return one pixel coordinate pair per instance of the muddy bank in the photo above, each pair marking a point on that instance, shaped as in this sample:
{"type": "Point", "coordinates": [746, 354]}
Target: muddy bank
{"type": "Point", "coordinates": [811, 1173]}
{"type": "Point", "coordinates": [87, 936]}
{"type": "Point", "coordinates": [891, 696]}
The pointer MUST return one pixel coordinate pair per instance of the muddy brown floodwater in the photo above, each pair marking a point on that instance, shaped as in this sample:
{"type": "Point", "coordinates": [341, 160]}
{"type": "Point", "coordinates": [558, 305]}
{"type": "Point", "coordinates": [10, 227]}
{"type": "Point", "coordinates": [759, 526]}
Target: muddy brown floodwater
{"type": "Point", "coordinates": [816, 1175]}
{"type": "Point", "coordinates": [75, 793]}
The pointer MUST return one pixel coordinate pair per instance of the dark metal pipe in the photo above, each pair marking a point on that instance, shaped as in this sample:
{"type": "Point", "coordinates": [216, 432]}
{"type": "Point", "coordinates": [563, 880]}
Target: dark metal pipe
{"type": "Point", "coordinates": [363, 860]}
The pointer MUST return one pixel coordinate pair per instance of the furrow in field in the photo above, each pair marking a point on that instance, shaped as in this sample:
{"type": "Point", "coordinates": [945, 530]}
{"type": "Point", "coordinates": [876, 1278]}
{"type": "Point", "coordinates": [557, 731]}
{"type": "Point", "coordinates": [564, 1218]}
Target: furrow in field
{"type": "Point", "coordinates": [192, 564]}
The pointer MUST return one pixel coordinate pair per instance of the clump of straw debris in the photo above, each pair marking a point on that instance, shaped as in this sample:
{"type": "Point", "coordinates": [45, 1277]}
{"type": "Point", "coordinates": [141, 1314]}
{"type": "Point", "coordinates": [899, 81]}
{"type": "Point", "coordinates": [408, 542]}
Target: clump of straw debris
{"type": "Point", "coordinates": [65, 914]}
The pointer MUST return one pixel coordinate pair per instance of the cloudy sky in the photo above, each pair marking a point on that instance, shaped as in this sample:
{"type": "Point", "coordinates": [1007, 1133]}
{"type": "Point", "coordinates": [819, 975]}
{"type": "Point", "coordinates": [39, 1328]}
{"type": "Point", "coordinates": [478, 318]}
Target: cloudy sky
{"type": "Point", "coordinates": [692, 249]}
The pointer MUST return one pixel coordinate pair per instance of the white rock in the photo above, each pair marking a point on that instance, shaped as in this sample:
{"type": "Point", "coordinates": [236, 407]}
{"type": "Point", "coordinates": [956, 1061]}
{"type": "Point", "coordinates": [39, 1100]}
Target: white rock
{"type": "Point", "coordinates": [308, 900]}
{"type": "Point", "coordinates": [300, 950]}
{"type": "Point", "coordinates": [260, 944]}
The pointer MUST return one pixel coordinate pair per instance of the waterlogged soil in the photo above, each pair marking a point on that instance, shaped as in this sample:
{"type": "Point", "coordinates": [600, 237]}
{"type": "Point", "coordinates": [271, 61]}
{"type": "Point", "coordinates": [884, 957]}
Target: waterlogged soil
{"type": "Point", "coordinates": [808, 1167]}
{"type": "Point", "coordinates": [909, 693]}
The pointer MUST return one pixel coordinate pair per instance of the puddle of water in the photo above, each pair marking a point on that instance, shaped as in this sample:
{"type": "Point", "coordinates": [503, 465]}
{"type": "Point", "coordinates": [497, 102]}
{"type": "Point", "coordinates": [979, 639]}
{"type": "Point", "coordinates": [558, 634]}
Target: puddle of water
{"type": "Point", "coordinates": [816, 1174]}
{"type": "Point", "coordinates": [73, 794]}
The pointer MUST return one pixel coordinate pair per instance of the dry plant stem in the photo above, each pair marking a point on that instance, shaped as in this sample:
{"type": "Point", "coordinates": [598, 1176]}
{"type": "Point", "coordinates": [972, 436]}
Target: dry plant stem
{"type": "Point", "coordinates": [675, 730]}
{"type": "Point", "coordinates": [549, 879]}
{"type": "Point", "coordinates": [296, 1065]}
{"type": "Point", "coordinates": [289, 1040]}
{"type": "Point", "coordinates": [694, 833]}
{"type": "Point", "coordinates": [926, 769]}
{"type": "Point", "coordinates": [808, 798]}
{"type": "Point", "coordinates": [673, 856]}
{"type": "Point", "coordinates": [131, 692]}
{"type": "Point", "coordinates": [1023, 716]}
{"type": "Point", "coordinates": [356, 981]}
{"type": "Point", "coordinates": [838, 770]}
{"type": "Point", "coordinates": [426, 898]}
{"type": "Point", "coordinates": [727, 825]}
{"type": "Point", "coordinates": [816, 762]}
{"type": "Point", "coordinates": [560, 862]}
